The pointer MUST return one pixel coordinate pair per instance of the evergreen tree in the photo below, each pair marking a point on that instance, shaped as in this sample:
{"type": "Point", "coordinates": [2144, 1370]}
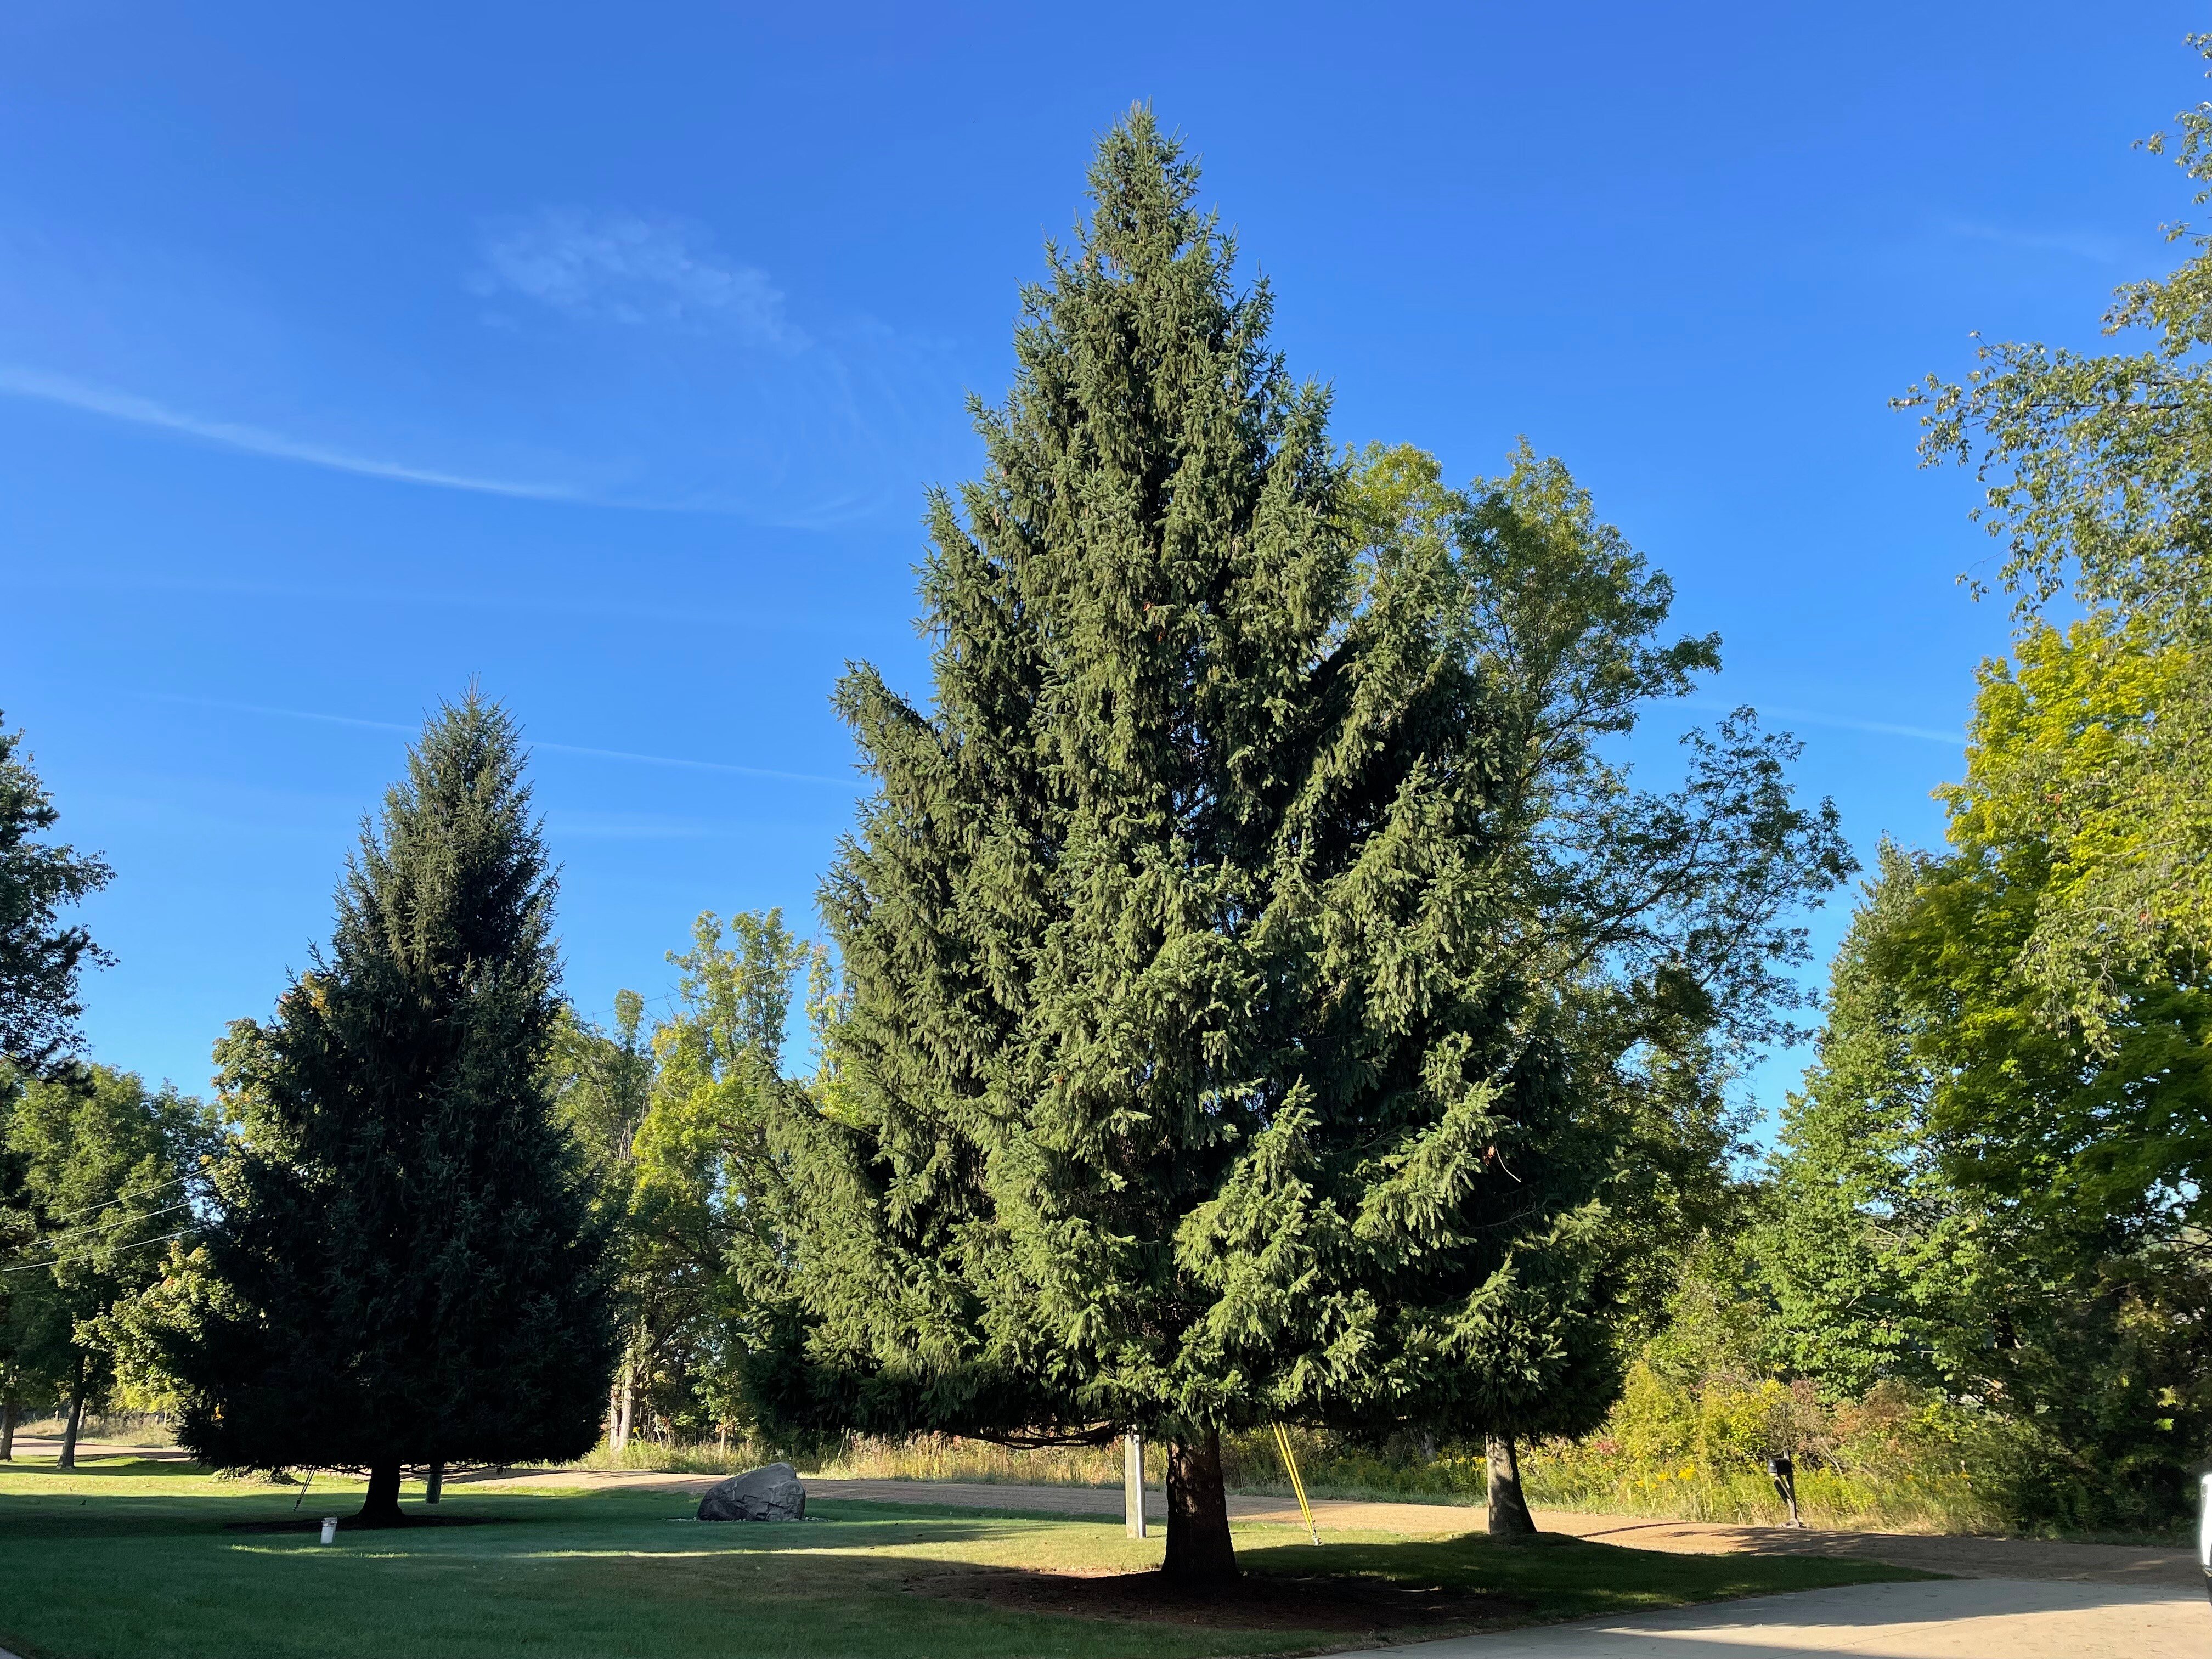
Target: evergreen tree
{"type": "Point", "coordinates": [39, 958]}
{"type": "Point", "coordinates": [404, 1267]}
{"type": "Point", "coordinates": [1240, 956]}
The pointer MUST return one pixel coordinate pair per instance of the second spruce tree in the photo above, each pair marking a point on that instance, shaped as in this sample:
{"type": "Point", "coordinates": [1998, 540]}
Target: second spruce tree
{"type": "Point", "coordinates": [404, 1271]}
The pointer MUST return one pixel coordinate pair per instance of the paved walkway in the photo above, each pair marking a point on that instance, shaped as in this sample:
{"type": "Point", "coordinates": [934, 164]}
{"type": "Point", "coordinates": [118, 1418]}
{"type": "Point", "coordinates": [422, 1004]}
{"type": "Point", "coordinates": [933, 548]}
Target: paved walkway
{"type": "Point", "coordinates": [1948, 1618]}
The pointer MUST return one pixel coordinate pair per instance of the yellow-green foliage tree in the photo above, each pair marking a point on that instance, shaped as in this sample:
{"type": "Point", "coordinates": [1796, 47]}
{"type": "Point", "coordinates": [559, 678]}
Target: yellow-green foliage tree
{"type": "Point", "coordinates": [2098, 475]}
{"type": "Point", "coordinates": [1978, 1195]}
{"type": "Point", "coordinates": [673, 1123]}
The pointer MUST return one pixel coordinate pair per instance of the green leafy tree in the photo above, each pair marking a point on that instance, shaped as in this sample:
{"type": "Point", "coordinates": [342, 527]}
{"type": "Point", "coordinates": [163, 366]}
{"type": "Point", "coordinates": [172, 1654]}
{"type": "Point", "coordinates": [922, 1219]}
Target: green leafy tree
{"type": "Point", "coordinates": [1973, 1198]}
{"type": "Point", "coordinates": [39, 958]}
{"type": "Point", "coordinates": [103, 1168]}
{"type": "Point", "coordinates": [2098, 469]}
{"type": "Point", "coordinates": [602, 1084]}
{"type": "Point", "coordinates": [678, 1129]}
{"type": "Point", "coordinates": [403, 1265]}
{"type": "Point", "coordinates": [1244, 956]}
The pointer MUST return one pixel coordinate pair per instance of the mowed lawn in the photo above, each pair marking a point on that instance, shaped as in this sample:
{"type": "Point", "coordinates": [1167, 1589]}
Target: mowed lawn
{"type": "Point", "coordinates": [130, 1560]}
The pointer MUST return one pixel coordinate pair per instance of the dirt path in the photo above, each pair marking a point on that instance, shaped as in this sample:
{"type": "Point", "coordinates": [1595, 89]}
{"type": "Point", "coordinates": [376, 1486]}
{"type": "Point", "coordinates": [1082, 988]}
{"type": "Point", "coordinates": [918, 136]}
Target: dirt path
{"type": "Point", "coordinates": [2031, 1559]}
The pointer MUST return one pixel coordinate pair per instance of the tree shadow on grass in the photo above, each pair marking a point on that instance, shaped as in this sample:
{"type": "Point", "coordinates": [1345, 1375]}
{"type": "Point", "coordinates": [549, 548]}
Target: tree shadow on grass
{"type": "Point", "coordinates": [1566, 1576]}
{"type": "Point", "coordinates": [1255, 1602]}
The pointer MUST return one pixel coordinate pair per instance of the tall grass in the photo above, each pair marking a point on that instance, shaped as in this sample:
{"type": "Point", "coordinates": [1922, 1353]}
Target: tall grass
{"type": "Point", "coordinates": [1893, 1461]}
{"type": "Point", "coordinates": [124, 1428]}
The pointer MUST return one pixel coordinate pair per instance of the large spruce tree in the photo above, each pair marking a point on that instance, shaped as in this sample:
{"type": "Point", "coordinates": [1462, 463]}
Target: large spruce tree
{"type": "Point", "coordinates": [1230, 995]}
{"type": "Point", "coordinates": [405, 1271]}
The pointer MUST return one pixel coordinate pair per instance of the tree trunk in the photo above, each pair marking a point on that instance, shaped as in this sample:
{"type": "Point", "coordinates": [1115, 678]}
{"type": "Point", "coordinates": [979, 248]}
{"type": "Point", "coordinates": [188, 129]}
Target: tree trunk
{"type": "Point", "coordinates": [381, 1507]}
{"type": "Point", "coordinates": [1198, 1550]}
{"type": "Point", "coordinates": [8, 1411]}
{"type": "Point", "coordinates": [434, 1484]}
{"type": "Point", "coordinates": [1509, 1510]}
{"type": "Point", "coordinates": [626, 1406]}
{"type": "Point", "coordinates": [75, 1416]}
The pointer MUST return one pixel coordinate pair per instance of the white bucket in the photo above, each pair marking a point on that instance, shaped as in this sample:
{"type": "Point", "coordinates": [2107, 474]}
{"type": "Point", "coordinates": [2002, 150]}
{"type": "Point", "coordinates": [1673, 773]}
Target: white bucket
{"type": "Point", "coordinates": [330, 1528]}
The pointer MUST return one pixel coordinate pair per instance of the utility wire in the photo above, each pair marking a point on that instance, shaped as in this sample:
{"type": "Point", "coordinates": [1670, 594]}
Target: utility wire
{"type": "Point", "coordinates": [113, 1202]}
{"type": "Point", "coordinates": [26, 1267]}
{"type": "Point", "coordinates": [97, 1227]}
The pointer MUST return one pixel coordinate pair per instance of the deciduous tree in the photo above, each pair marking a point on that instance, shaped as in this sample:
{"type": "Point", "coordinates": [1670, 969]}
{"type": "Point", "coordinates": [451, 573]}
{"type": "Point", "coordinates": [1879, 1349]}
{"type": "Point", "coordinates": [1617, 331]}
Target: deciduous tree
{"type": "Point", "coordinates": [103, 1170]}
{"type": "Point", "coordinates": [2098, 475]}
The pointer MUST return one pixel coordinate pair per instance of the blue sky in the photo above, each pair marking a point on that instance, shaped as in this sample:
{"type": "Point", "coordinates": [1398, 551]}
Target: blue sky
{"type": "Point", "coordinates": [604, 354]}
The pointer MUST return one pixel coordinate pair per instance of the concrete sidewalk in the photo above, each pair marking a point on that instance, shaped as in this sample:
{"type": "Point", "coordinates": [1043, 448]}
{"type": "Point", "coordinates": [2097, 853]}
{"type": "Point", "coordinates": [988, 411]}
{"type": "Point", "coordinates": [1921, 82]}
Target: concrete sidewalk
{"type": "Point", "coordinates": [1952, 1618]}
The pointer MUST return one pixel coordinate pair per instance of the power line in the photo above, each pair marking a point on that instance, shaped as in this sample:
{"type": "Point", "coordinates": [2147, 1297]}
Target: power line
{"type": "Point", "coordinates": [24, 1267]}
{"type": "Point", "coordinates": [131, 1220]}
{"type": "Point", "coordinates": [113, 1202]}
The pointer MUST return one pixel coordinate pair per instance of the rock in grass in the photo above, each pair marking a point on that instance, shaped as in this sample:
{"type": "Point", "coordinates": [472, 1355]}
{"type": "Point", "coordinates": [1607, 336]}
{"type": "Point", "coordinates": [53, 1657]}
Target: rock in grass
{"type": "Point", "coordinates": [769, 1493]}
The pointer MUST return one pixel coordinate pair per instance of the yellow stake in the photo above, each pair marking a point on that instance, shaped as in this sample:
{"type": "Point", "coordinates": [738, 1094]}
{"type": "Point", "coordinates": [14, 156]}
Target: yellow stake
{"type": "Point", "coordinates": [1290, 1462]}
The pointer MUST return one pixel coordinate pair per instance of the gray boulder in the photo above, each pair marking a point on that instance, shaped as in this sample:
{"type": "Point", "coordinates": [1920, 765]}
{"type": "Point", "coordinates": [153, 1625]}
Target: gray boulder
{"type": "Point", "coordinates": [770, 1493]}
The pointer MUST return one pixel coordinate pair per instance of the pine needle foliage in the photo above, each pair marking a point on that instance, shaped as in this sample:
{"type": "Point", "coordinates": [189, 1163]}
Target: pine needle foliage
{"type": "Point", "coordinates": [39, 958]}
{"type": "Point", "coordinates": [404, 1267]}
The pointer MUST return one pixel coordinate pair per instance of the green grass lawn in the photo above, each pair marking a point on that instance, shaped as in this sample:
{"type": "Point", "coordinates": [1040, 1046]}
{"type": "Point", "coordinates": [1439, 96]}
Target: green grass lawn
{"type": "Point", "coordinates": [130, 1560]}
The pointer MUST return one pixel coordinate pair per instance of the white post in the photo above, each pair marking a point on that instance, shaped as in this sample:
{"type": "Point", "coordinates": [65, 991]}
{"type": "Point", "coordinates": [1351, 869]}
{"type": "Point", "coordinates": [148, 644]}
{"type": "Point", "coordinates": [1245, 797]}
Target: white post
{"type": "Point", "coordinates": [2205, 1529]}
{"type": "Point", "coordinates": [1132, 1483]}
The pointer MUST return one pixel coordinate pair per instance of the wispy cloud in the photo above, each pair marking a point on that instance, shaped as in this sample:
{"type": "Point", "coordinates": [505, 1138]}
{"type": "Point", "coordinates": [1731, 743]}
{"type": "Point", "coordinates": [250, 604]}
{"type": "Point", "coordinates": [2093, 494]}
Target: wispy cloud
{"type": "Point", "coordinates": [627, 268]}
{"type": "Point", "coordinates": [1844, 723]}
{"type": "Point", "coordinates": [2093, 246]}
{"type": "Point", "coordinates": [555, 747]}
{"type": "Point", "coordinates": [36, 384]}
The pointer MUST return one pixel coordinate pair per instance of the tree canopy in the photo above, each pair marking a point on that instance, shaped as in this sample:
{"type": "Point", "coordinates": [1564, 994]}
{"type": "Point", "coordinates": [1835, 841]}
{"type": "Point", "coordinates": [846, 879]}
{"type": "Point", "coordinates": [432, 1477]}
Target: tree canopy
{"type": "Point", "coordinates": [95, 1169]}
{"type": "Point", "coordinates": [2098, 475]}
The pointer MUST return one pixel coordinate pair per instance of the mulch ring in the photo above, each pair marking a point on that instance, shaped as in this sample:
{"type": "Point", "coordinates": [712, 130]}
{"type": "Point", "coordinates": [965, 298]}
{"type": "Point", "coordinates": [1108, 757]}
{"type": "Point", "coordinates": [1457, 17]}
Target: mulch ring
{"type": "Point", "coordinates": [1254, 1601]}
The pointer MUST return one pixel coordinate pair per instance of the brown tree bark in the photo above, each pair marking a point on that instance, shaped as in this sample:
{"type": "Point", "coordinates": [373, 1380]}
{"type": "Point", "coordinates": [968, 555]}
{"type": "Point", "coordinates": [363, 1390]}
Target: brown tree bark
{"type": "Point", "coordinates": [8, 1410]}
{"type": "Point", "coordinates": [381, 1507]}
{"type": "Point", "coordinates": [1198, 1550]}
{"type": "Point", "coordinates": [75, 1416]}
{"type": "Point", "coordinates": [1509, 1510]}
{"type": "Point", "coordinates": [434, 1484]}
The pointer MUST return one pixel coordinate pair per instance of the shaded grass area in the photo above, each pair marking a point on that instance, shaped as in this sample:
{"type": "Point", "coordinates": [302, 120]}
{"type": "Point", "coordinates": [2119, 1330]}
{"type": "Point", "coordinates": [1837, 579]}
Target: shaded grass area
{"type": "Point", "coordinates": [130, 1560]}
